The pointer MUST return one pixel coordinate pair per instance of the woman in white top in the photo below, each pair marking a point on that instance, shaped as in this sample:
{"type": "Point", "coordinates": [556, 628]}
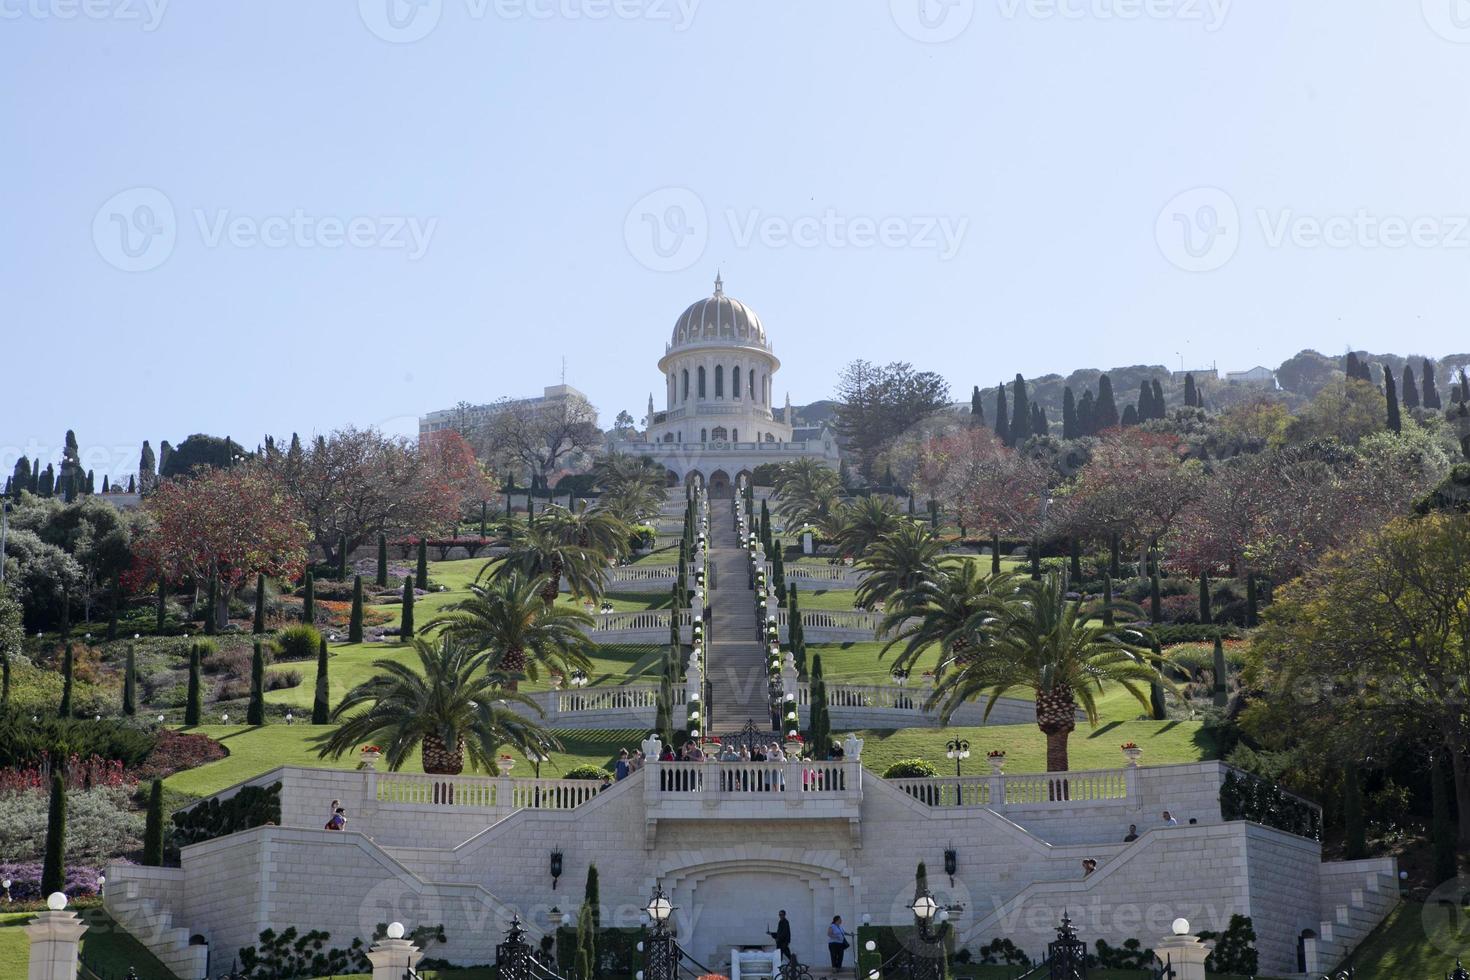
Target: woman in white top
{"type": "Point", "coordinates": [836, 942]}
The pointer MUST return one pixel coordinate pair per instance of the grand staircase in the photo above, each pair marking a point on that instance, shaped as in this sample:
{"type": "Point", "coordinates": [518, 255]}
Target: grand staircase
{"type": "Point", "coordinates": [735, 664]}
{"type": "Point", "coordinates": [155, 928]}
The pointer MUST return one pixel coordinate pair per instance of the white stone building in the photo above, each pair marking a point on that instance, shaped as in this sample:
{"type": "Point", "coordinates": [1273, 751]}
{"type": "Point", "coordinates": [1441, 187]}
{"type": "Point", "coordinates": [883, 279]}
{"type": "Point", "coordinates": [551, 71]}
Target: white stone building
{"type": "Point", "coordinates": [718, 422]}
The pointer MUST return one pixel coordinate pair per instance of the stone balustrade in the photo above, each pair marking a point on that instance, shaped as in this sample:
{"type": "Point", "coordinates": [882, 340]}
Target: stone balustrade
{"type": "Point", "coordinates": [639, 626]}
{"type": "Point", "coordinates": [1002, 792]}
{"type": "Point", "coordinates": [484, 792]}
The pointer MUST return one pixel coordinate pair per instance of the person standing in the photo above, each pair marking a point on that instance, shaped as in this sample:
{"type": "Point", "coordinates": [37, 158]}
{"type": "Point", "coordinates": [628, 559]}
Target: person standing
{"type": "Point", "coordinates": [836, 942]}
{"type": "Point", "coordinates": [782, 935]}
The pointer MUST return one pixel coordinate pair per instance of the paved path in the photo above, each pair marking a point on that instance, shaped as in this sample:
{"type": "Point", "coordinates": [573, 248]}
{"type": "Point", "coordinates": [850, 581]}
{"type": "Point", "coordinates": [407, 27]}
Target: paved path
{"type": "Point", "coordinates": [735, 662]}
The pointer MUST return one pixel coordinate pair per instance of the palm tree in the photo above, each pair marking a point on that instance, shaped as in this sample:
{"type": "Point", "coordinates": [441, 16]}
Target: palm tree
{"type": "Point", "coordinates": [1032, 636]}
{"type": "Point", "coordinates": [864, 522]}
{"type": "Point", "coordinates": [519, 634]}
{"type": "Point", "coordinates": [634, 487]}
{"type": "Point", "coordinates": [807, 491]}
{"type": "Point", "coordinates": [940, 611]}
{"type": "Point", "coordinates": [557, 545]}
{"type": "Point", "coordinates": [449, 708]}
{"type": "Point", "coordinates": [898, 562]}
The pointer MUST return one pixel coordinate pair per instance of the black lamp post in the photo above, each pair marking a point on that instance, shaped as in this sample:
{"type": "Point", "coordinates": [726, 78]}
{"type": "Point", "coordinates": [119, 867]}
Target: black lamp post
{"type": "Point", "coordinates": [660, 950]}
{"type": "Point", "coordinates": [958, 749]}
{"type": "Point", "coordinates": [926, 960]}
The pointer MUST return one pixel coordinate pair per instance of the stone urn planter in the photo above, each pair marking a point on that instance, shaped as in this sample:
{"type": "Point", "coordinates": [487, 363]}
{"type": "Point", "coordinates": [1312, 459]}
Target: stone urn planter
{"type": "Point", "coordinates": [370, 756]}
{"type": "Point", "coordinates": [555, 917]}
{"type": "Point", "coordinates": [1131, 754]}
{"type": "Point", "coordinates": [997, 762]}
{"type": "Point", "coordinates": [505, 764]}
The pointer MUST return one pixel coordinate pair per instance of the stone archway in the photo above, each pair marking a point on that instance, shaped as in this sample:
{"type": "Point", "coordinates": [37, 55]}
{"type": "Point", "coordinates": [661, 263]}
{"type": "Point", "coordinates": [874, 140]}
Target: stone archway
{"type": "Point", "coordinates": [671, 479]}
{"type": "Point", "coordinates": [719, 484]}
{"type": "Point", "coordinates": [694, 478]}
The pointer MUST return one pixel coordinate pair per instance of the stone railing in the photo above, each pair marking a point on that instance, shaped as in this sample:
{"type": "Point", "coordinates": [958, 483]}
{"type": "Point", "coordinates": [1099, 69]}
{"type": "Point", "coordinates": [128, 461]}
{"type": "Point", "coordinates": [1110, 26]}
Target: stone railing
{"type": "Point", "coordinates": [999, 792]}
{"type": "Point", "coordinates": [832, 625]}
{"type": "Point", "coordinates": [695, 788]}
{"type": "Point", "coordinates": [610, 698]}
{"type": "Point", "coordinates": [491, 793]}
{"type": "Point", "coordinates": [830, 576]}
{"type": "Point", "coordinates": [867, 696]}
{"type": "Point", "coordinates": [639, 626]}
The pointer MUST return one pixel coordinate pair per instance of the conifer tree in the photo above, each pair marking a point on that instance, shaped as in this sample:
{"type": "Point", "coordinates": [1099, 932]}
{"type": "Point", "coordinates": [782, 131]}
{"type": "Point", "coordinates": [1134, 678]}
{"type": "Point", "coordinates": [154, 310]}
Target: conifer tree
{"type": "Point", "coordinates": [1442, 831]}
{"type": "Point", "coordinates": [405, 630]}
{"type": "Point", "coordinates": [1191, 394]}
{"type": "Point", "coordinates": [1069, 414]}
{"type": "Point", "coordinates": [1002, 415]}
{"type": "Point", "coordinates": [255, 710]}
{"type": "Point", "coordinates": [354, 623]}
{"type": "Point", "coordinates": [995, 553]}
{"type": "Point", "coordinates": [106, 487]}
{"type": "Point", "coordinates": [259, 624]}
{"type": "Point", "coordinates": [1039, 425]}
{"type": "Point", "coordinates": [794, 638]}
{"type": "Point", "coordinates": [308, 600]}
{"type": "Point", "coordinates": [194, 701]}
{"type": "Point", "coordinates": [1105, 412]}
{"type": "Point", "coordinates": [1144, 410]}
{"type": "Point", "coordinates": [1161, 410]}
{"type": "Point", "coordinates": [1222, 674]}
{"type": "Point", "coordinates": [382, 578]}
{"type": "Point", "coordinates": [819, 724]}
{"type": "Point", "coordinates": [1390, 394]}
{"type": "Point", "coordinates": [153, 827]}
{"type": "Point", "coordinates": [64, 709]}
{"type": "Point", "coordinates": [1431, 393]}
{"type": "Point", "coordinates": [1020, 413]}
{"type": "Point", "coordinates": [1130, 416]}
{"type": "Point", "coordinates": [1353, 367]}
{"type": "Point", "coordinates": [1086, 414]}
{"type": "Point", "coordinates": [422, 576]}
{"type": "Point", "coordinates": [147, 476]}
{"type": "Point", "coordinates": [1410, 388]}
{"type": "Point", "coordinates": [321, 708]}
{"type": "Point", "coordinates": [977, 408]}
{"type": "Point", "coordinates": [130, 683]}
{"type": "Point", "coordinates": [4, 679]}
{"type": "Point", "coordinates": [53, 871]}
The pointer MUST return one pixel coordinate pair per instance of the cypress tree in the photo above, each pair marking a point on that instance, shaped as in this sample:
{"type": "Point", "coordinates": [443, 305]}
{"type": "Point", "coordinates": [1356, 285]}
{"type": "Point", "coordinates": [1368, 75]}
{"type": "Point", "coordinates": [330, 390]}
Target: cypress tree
{"type": "Point", "coordinates": [1442, 831]}
{"type": "Point", "coordinates": [1206, 615]}
{"type": "Point", "coordinates": [1145, 408]}
{"type": "Point", "coordinates": [778, 572]}
{"type": "Point", "coordinates": [1161, 410]}
{"type": "Point", "coordinates": [106, 488]}
{"type": "Point", "coordinates": [64, 709]}
{"type": "Point", "coordinates": [1155, 603]}
{"type": "Point", "coordinates": [1222, 674]}
{"type": "Point", "coordinates": [1252, 617]}
{"type": "Point", "coordinates": [977, 408]}
{"type": "Point", "coordinates": [819, 724]}
{"type": "Point", "coordinates": [132, 485]}
{"type": "Point", "coordinates": [1354, 829]}
{"type": "Point", "coordinates": [1350, 368]}
{"type": "Point", "coordinates": [422, 576]}
{"type": "Point", "coordinates": [255, 710]}
{"type": "Point", "coordinates": [354, 624]}
{"type": "Point", "coordinates": [1130, 416]}
{"type": "Point", "coordinates": [130, 683]}
{"type": "Point", "coordinates": [588, 922]}
{"type": "Point", "coordinates": [382, 579]}
{"type": "Point", "coordinates": [1074, 547]}
{"type": "Point", "coordinates": [1020, 413]}
{"type": "Point", "coordinates": [995, 553]}
{"type": "Point", "coordinates": [405, 630]}
{"type": "Point", "coordinates": [1002, 415]}
{"type": "Point", "coordinates": [53, 871]}
{"type": "Point", "coordinates": [259, 626]}
{"type": "Point", "coordinates": [1391, 395]}
{"type": "Point", "coordinates": [1431, 393]}
{"type": "Point", "coordinates": [211, 608]}
{"type": "Point", "coordinates": [1069, 414]}
{"type": "Point", "coordinates": [1105, 412]}
{"type": "Point", "coordinates": [342, 557]}
{"type": "Point", "coordinates": [193, 704]}
{"type": "Point", "coordinates": [794, 639]}
{"type": "Point", "coordinates": [308, 600]}
{"type": "Point", "coordinates": [933, 513]}
{"type": "Point", "coordinates": [1039, 425]}
{"type": "Point", "coordinates": [1086, 414]}
{"type": "Point", "coordinates": [1191, 394]}
{"type": "Point", "coordinates": [47, 484]}
{"type": "Point", "coordinates": [1410, 388]}
{"type": "Point", "coordinates": [1108, 617]}
{"type": "Point", "coordinates": [153, 828]}
{"type": "Point", "coordinates": [321, 709]}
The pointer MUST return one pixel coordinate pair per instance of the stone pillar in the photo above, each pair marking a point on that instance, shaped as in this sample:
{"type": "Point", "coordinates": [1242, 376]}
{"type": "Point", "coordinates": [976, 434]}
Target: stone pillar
{"type": "Point", "coordinates": [55, 938]}
{"type": "Point", "coordinates": [1185, 954]}
{"type": "Point", "coordinates": [392, 958]}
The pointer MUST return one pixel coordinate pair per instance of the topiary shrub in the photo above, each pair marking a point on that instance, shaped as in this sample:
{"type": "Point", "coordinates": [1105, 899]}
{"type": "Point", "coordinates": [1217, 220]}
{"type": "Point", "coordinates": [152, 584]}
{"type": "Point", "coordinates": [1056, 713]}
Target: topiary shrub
{"type": "Point", "coordinates": [252, 806]}
{"type": "Point", "coordinates": [297, 643]}
{"type": "Point", "coordinates": [586, 772]}
{"type": "Point", "coordinates": [1235, 951]}
{"type": "Point", "coordinates": [1130, 956]}
{"type": "Point", "coordinates": [911, 769]}
{"type": "Point", "coordinates": [289, 954]}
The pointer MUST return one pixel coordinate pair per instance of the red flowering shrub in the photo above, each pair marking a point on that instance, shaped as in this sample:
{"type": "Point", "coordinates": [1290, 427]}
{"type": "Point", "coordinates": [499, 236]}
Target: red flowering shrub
{"type": "Point", "coordinates": [177, 751]}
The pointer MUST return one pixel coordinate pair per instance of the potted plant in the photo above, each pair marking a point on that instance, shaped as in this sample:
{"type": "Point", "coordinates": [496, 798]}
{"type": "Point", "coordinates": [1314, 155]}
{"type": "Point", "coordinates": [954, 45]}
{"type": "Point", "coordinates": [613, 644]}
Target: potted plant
{"type": "Point", "coordinates": [1132, 753]}
{"type": "Point", "coordinates": [794, 742]}
{"type": "Point", "coordinates": [370, 756]}
{"type": "Point", "coordinates": [997, 760]}
{"type": "Point", "coordinates": [505, 764]}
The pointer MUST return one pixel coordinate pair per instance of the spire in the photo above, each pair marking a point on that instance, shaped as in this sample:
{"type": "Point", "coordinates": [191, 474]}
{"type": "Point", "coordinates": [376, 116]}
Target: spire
{"type": "Point", "coordinates": [650, 406]}
{"type": "Point", "coordinates": [719, 284]}
{"type": "Point", "coordinates": [787, 417]}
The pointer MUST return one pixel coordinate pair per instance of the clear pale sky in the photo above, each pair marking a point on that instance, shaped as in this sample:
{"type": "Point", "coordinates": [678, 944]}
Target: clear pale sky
{"type": "Point", "coordinates": [536, 144]}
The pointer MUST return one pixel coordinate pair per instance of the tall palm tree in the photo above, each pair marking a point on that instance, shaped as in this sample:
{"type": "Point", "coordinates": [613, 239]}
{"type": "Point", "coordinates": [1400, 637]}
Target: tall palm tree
{"type": "Point", "coordinates": [519, 633]}
{"type": "Point", "coordinates": [940, 611]}
{"type": "Point", "coordinates": [898, 562]}
{"type": "Point", "coordinates": [449, 708]}
{"type": "Point", "coordinates": [864, 522]}
{"type": "Point", "coordinates": [807, 492]}
{"type": "Point", "coordinates": [557, 545]}
{"type": "Point", "coordinates": [633, 487]}
{"type": "Point", "coordinates": [1032, 636]}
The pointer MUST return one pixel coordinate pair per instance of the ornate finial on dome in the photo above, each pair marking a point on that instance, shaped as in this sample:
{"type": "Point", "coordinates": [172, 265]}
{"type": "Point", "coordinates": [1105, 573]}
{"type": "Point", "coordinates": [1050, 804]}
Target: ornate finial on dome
{"type": "Point", "coordinates": [719, 284]}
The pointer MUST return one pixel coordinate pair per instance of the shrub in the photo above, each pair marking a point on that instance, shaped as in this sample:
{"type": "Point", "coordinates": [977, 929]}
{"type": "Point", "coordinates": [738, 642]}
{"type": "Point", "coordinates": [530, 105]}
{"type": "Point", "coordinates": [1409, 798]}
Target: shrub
{"type": "Point", "coordinates": [585, 772]}
{"type": "Point", "coordinates": [25, 881]}
{"type": "Point", "coordinates": [252, 806]}
{"type": "Point", "coordinates": [1180, 609]}
{"type": "Point", "coordinates": [1235, 951]}
{"type": "Point", "coordinates": [177, 751]}
{"type": "Point", "coordinates": [282, 679]}
{"type": "Point", "coordinates": [289, 954]}
{"type": "Point", "coordinates": [297, 643]}
{"type": "Point", "coordinates": [910, 769]}
{"type": "Point", "coordinates": [24, 743]}
{"type": "Point", "coordinates": [100, 823]}
{"type": "Point", "coordinates": [1130, 956]}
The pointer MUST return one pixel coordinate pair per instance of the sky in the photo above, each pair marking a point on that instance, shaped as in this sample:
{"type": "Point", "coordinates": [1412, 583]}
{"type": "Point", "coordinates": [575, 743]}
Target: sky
{"type": "Point", "coordinates": [272, 216]}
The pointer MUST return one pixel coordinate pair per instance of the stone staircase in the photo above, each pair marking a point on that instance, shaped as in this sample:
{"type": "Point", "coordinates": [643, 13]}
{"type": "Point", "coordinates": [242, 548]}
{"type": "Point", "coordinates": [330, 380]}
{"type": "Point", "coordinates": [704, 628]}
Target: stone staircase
{"type": "Point", "coordinates": [154, 928]}
{"type": "Point", "coordinates": [734, 661]}
{"type": "Point", "coordinates": [1356, 903]}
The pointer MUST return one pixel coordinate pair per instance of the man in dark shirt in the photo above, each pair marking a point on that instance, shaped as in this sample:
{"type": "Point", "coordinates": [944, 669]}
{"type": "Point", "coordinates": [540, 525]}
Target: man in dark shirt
{"type": "Point", "coordinates": [782, 935]}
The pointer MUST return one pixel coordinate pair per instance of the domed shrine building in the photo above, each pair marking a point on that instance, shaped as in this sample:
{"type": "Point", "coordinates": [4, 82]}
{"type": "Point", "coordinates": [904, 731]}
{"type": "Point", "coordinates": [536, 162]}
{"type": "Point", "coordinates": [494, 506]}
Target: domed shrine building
{"type": "Point", "coordinates": [718, 423]}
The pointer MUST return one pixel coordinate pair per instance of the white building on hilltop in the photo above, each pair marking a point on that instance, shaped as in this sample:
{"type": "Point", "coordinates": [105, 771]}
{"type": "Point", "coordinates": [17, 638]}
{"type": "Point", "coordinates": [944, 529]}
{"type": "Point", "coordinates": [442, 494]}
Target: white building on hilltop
{"type": "Point", "coordinates": [718, 423]}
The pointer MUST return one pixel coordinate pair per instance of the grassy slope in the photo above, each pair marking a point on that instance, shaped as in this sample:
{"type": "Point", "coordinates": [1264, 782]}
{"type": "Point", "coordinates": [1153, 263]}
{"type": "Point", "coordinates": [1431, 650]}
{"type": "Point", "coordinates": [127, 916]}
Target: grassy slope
{"type": "Point", "coordinates": [1408, 946]}
{"type": "Point", "coordinates": [109, 948]}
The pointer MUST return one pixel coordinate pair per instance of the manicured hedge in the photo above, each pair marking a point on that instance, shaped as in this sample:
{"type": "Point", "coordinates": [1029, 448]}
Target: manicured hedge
{"type": "Point", "coordinates": [253, 806]}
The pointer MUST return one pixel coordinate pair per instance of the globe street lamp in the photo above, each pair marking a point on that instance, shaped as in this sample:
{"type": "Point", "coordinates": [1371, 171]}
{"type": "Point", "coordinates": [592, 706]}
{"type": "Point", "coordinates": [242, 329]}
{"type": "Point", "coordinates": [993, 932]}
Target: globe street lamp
{"type": "Point", "coordinates": [958, 749]}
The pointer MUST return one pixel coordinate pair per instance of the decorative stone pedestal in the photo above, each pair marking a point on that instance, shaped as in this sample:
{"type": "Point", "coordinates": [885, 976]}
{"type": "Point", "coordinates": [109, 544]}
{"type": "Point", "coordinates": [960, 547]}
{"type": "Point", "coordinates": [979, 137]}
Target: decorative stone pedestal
{"type": "Point", "coordinates": [392, 958]}
{"type": "Point", "coordinates": [55, 939]}
{"type": "Point", "coordinates": [1185, 954]}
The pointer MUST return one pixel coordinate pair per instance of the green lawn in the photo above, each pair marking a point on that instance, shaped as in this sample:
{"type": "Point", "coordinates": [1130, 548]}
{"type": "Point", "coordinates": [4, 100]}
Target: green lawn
{"type": "Point", "coordinates": [1411, 945]}
{"type": "Point", "coordinates": [107, 947]}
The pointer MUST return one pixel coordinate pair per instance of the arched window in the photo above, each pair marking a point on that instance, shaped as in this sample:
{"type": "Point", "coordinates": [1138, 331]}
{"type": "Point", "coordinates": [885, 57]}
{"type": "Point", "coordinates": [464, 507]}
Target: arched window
{"type": "Point", "coordinates": [701, 381]}
{"type": "Point", "coordinates": [681, 437]}
{"type": "Point", "coordinates": [703, 433]}
{"type": "Point", "coordinates": [735, 381]}
{"type": "Point", "coordinates": [668, 437]}
{"type": "Point", "coordinates": [719, 434]}
{"type": "Point", "coordinates": [735, 436]}
{"type": "Point", "coordinates": [686, 385]}
{"type": "Point", "coordinates": [751, 384]}
{"type": "Point", "coordinates": [719, 381]}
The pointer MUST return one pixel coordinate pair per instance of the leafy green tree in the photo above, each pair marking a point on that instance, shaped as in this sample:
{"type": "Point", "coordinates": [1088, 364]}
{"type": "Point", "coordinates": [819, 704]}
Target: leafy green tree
{"type": "Point", "coordinates": [560, 546]}
{"type": "Point", "coordinates": [806, 493]}
{"type": "Point", "coordinates": [53, 870]}
{"type": "Point", "coordinates": [864, 522]}
{"type": "Point", "coordinates": [448, 706]}
{"type": "Point", "coordinates": [321, 707]}
{"type": "Point", "coordinates": [255, 710]}
{"type": "Point", "coordinates": [405, 631]}
{"type": "Point", "coordinates": [194, 700]}
{"type": "Point", "coordinates": [354, 621]}
{"type": "Point", "coordinates": [1354, 824]}
{"type": "Point", "coordinates": [153, 828]}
